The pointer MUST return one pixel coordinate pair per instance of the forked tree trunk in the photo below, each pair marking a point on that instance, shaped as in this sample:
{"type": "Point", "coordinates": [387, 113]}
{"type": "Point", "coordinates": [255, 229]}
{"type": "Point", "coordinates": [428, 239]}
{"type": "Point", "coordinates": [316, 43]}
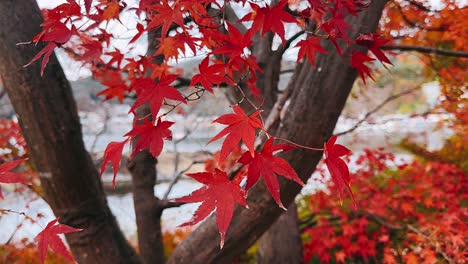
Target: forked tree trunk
{"type": "Point", "coordinates": [317, 100]}
{"type": "Point", "coordinates": [50, 124]}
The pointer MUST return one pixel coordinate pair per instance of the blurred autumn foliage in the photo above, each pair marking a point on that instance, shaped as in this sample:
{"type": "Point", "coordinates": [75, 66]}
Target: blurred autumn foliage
{"type": "Point", "coordinates": [26, 253]}
{"type": "Point", "coordinates": [410, 213]}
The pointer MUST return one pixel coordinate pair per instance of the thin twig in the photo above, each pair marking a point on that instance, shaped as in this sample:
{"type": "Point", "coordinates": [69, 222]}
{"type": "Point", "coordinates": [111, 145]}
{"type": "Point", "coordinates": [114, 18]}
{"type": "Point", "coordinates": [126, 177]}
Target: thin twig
{"type": "Point", "coordinates": [177, 177]}
{"type": "Point", "coordinates": [377, 108]}
{"type": "Point", "coordinates": [102, 131]}
{"type": "Point", "coordinates": [428, 50]}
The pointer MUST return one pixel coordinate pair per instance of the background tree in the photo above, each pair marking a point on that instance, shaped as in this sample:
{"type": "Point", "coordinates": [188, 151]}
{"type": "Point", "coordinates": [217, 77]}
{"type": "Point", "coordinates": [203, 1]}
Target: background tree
{"type": "Point", "coordinates": [316, 96]}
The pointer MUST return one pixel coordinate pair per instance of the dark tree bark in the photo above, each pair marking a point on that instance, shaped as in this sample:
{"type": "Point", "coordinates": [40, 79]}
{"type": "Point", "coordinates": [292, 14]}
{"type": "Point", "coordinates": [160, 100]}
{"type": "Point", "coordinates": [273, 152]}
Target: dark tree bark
{"type": "Point", "coordinates": [49, 120]}
{"type": "Point", "coordinates": [142, 167]}
{"type": "Point", "coordinates": [317, 99]}
{"type": "Point", "coordinates": [282, 242]}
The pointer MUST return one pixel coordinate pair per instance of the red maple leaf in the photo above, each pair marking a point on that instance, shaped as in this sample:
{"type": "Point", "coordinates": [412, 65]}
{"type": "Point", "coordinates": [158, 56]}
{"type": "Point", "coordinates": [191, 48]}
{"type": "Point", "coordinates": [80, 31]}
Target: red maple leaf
{"type": "Point", "coordinates": [374, 42]}
{"type": "Point", "coordinates": [234, 43]}
{"type": "Point", "coordinates": [336, 166]}
{"type": "Point", "coordinates": [49, 238]}
{"type": "Point", "coordinates": [116, 87]}
{"type": "Point", "coordinates": [155, 92]}
{"type": "Point", "coordinates": [219, 194]}
{"type": "Point", "coordinates": [209, 75]}
{"type": "Point", "coordinates": [151, 135]}
{"type": "Point", "coordinates": [265, 164]}
{"type": "Point", "coordinates": [336, 28]}
{"type": "Point", "coordinates": [171, 46]}
{"type": "Point", "coordinates": [164, 15]}
{"type": "Point", "coordinates": [309, 48]}
{"type": "Point", "coordinates": [358, 60]}
{"type": "Point", "coordinates": [54, 32]}
{"type": "Point", "coordinates": [113, 154]}
{"type": "Point", "coordinates": [266, 18]}
{"type": "Point", "coordinates": [116, 56]}
{"type": "Point", "coordinates": [239, 127]}
{"type": "Point", "coordinates": [6, 176]}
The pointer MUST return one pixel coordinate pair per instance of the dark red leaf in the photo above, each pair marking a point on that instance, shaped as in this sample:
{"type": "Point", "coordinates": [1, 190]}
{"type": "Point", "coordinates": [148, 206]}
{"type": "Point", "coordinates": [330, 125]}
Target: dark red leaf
{"type": "Point", "coordinates": [152, 136]}
{"type": "Point", "coordinates": [113, 154]}
{"type": "Point", "coordinates": [309, 48]}
{"type": "Point", "coordinates": [87, 4]}
{"type": "Point", "coordinates": [374, 42]}
{"type": "Point", "coordinates": [358, 61]}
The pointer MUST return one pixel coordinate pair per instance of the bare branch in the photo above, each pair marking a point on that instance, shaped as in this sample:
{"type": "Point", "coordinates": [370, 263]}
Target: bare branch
{"type": "Point", "coordinates": [103, 130]}
{"type": "Point", "coordinates": [377, 108]}
{"type": "Point", "coordinates": [420, 6]}
{"type": "Point", "coordinates": [291, 40]}
{"type": "Point", "coordinates": [177, 177]}
{"type": "Point", "coordinates": [165, 204]}
{"type": "Point", "coordinates": [430, 50]}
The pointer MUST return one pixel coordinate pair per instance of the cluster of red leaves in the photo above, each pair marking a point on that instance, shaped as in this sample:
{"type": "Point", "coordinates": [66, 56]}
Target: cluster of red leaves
{"type": "Point", "coordinates": [414, 213]}
{"type": "Point", "coordinates": [152, 79]}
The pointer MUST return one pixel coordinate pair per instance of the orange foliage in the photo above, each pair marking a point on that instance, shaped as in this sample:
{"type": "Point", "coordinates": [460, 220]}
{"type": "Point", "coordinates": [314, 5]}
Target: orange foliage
{"type": "Point", "coordinates": [172, 239]}
{"type": "Point", "coordinates": [446, 28]}
{"type": "Point", "coordinates": [26, 253]}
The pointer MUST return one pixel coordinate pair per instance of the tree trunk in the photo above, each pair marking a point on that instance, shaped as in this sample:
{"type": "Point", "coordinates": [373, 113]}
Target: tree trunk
{"type": "Point", "coordinates": [282, 242]}
{"type": "Point", "coordinates": [317, 100]}
{"type": "Point", "coordinates": [49, 120]}
{"type": "Point", "coordinates": [142, 167]}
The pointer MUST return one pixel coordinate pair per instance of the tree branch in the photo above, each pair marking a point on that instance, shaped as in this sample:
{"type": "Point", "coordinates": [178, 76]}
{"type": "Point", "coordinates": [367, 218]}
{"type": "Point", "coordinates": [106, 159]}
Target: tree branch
{"type": "Point", "coordinates": [377, 108]}
{"type": "Point", "coordinates": [422, 49]}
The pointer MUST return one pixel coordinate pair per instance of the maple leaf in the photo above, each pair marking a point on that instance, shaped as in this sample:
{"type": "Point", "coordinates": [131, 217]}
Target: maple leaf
{"type": "Point", "coordinates": [113, 154]}
{"type": "Point", "coordinates": [116, 87]}
{"type": "Point", "coordinates": [239, 127]}
{"type": "Point", "coordinates": [266, 18]}
{"type": "Point", "coordinates": [111, 11]}
{"type": "Point", "coordinates": [171, 45]}
{"type": "Point", "coordinates": [164, 15]}
{"type": "Point", "coordinates": [209, 75]}
{"type": "Point", "coordinates": [151, 136]}
{"type": "Point", "coordinates": [374, 42]}
{"type": "Point", "coordinates": [219, 194]}
{"type": "Point", "coordinates": [49, 238]}
{"type": "Point", "coordinates": [336, 28]}
{"type": "Point", "coordinates": [54, 32]}
{"type": "Point", "coordinates": [6, 176]}
{"type": "Point", "coordinates": [336, 166]}
{"type": "Point", "coordinates": [234, 43]}
{"type": "Point", "coordinates": [155, 92]}
{"type": "Point", "coordinates": [46, 51]}
{"type": "Point", "coordinates": [358, 60]}
{"type": "Point", "coordinates": [309, 48]}
{"type": "Point", "coordinates": [116, 56]}
{"type": "Point", "coordinates": [265, 164]}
